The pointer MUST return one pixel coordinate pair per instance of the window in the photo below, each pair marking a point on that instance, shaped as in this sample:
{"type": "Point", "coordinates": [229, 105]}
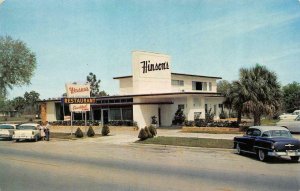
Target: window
{"type": "Point", "coordinates": [204, 86]}
{"type": "Point", "coordinates": [177, 82]}
{"type": "Point", "coordinates": [115, 114]}
{"type": "Point", "coordinates": [127, 114]}
{"type": "Point", "coordinates": [181, 106]}
{"type": "Point", "coordinates": [209, 86]}
{"type": "Point", "coordinates": [256, 132]}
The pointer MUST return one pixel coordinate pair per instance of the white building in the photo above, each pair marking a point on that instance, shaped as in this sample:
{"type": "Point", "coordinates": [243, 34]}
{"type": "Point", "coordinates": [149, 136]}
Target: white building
{"type": "Point", "coordinates": [153, 90]}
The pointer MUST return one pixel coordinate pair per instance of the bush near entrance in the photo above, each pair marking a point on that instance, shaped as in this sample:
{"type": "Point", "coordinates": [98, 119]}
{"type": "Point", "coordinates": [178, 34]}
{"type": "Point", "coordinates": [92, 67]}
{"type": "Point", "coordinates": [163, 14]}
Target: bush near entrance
{"type": "Point", "coordinates": [105, 130]}
{"type": "Point", "coordinates": [147, 132]}
{"type": "Point", "coordinates": [79, 133]}
{"type": "Point", "coordinates": [90, 132]}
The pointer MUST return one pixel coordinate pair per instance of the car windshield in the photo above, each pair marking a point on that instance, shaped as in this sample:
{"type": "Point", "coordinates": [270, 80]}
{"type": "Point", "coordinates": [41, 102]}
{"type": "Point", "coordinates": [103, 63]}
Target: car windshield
{"type": "Point", "coordinates": [26, 127]}
{"type": "Point", "coordinates": [277, 133]}
{"type": "Point", "coordinates": [297, 118]}
{"type": "Point", "coordinates": [6, 127]}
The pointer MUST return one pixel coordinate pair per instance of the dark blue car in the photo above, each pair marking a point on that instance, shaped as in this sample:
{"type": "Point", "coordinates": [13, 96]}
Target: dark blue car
{"type": "Point", "coordinates": [268, 141]}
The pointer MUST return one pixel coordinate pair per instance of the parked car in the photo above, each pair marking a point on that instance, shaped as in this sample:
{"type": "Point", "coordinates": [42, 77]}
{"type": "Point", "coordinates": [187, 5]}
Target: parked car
{"type": "Point", "coordinates": [28, 131]}
{"type": "Point", "coordinates": [7, 130]}
{"type": "Point", "coordinates": [293, 125]}
{"type": "Point", "coordinates": [268, 141]}
{"type": "Point", "coordinates": [289, 116]}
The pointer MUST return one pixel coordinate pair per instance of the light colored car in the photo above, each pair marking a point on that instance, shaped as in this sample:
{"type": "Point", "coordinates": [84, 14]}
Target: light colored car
{"type": "Point", "coordinates": [289, 116]}
{"type": "Point", "coordinates": [293, 125]}
{"type": "Point", "coordinates": [7, 130]}
{"type": "Point", "coordinates": [28, 131]}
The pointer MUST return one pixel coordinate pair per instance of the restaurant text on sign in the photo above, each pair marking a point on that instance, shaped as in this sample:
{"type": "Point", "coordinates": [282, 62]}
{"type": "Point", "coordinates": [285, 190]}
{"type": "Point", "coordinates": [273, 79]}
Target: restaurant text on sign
{"type": "Point", "coordinates": [79, 100]}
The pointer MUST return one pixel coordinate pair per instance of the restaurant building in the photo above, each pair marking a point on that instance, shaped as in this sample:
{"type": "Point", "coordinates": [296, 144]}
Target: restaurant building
{"type": "Point", "coordinates": [152, 90]}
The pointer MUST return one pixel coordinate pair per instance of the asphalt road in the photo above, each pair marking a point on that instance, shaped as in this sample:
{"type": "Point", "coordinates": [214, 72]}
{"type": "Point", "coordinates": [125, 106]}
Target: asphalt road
{"type": "Point", "coordinates": [92, 165]}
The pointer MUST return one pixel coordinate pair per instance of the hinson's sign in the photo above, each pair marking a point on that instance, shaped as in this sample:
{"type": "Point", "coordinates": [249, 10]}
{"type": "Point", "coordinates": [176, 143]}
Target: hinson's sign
{"type": "Point", "coordinates": [78, 97]}
{"type": "Point", "coordinates": [147, 66]}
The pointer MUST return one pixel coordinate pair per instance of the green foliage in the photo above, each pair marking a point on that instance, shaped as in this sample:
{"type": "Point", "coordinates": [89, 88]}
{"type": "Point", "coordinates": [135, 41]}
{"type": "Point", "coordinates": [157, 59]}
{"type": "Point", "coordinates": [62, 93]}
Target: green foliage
{"type": "Point", "coordinates": [143, 135]}
{"type": "Point", "coordinates": [95, 85]}
{"type": "Point", "coordinates": [90, 132]}
{"type": "Point", "coordinates": [148, 132]}
{"type": "Point", "coordinates": [209, 116]}
{"type": "Point", "coordinates": [223, 115]}
{"type": "Point", "coordinates": [17, 64]}
{"type": "Point", "coordinates": [105, 130]}
{"type": "Point", "coordinates": [291, 97]}
{"type": "Point", "coordinates": [78, 133]}
{"type": "Point", "coordinates": [223, 86]}
{"type": "Point", "coordinates": [179, 117]}
{"type": "Point", "coordinates": [152, 130]}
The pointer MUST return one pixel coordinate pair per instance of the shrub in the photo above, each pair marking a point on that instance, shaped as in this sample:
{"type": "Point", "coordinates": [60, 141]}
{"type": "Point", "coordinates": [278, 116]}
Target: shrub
{"type": "Point", "coordinates": [200, 123]}
{"type": "Point", "coordinates": [209, 117]}
{"type": "Point", "coordinates": [153, 119]}
{"type": "Point", "coordinates": [223, 115]}
{"type": "Point", "coordinates": [152, 130]}
{"type": "Point", "coordinates": [179, 117]}
{"type": "Point", "coordinates": [105, 130]}
{"type": "Point", "coordinates": [189, 123]}
{"type": "Point", "coordinates": [143, 135]}
{"type": "Point", "coordinates": [78, 133]}
{"type": "Point", "coordinates": [90, 132]}
{"type": "Point", "coordinates": [148, 132]}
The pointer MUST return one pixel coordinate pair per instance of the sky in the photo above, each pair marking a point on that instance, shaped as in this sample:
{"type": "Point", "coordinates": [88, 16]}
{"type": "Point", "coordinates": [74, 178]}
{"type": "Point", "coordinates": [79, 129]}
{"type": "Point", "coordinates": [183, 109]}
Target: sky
{"type": "Point", "coordinates": [72, 38]}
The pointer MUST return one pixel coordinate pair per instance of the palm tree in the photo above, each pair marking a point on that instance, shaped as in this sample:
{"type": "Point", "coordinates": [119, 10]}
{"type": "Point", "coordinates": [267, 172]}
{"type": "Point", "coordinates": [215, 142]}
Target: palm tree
{"type": "Point", "coordinates": [260, 91]}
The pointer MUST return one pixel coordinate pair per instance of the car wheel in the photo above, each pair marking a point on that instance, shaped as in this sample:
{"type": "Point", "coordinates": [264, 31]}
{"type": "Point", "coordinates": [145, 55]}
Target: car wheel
{"type": "Point", "coordinates": [36, 138]}
{"type": "Point", "coordinates": [295, 158]}
{"type": "Point", "coordinates": [238, 149]}
{"type": "Point", "coordinates": [262, 155]}
{"type": "Point", "coordinates": [17, 140]}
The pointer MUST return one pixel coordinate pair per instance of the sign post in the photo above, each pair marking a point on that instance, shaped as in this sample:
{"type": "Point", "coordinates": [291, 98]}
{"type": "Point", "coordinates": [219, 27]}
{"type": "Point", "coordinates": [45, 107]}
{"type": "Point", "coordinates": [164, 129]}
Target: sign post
{"type": "Point", "coordinates": [78, 98]}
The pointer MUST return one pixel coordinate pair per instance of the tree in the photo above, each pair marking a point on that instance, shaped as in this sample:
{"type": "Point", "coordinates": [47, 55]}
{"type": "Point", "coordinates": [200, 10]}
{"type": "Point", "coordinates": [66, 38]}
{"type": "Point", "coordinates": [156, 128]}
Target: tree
{"type": "Point", "coordinates": [17, 64]}
{"type": "Point", "coordinates": [260, 91]}
{"type": "Point", "coordinates": [31, 100]}
{"type": "Point", "coordinates": [223, 86]}
{"type": "Point", "coordinates": [18, 104]}
{"type": "Point", "coordinates": [291, 97]}
{"type": "Point", "coordinates": [95, 85]}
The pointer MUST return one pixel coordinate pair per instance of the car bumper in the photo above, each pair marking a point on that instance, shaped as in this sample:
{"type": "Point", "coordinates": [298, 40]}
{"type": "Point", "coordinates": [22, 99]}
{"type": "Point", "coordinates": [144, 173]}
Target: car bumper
{"type": "Point", "coordinates": [287, 153]}
{"type": "Point", "coordinates": [23, 137]}
{"type": "Point", "coordinates": [5, 136]}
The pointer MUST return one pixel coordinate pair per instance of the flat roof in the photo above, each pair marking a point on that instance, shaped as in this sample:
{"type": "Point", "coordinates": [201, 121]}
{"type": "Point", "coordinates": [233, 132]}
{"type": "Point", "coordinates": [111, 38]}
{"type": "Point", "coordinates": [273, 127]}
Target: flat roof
{"type": "Point", "coordinates": [207, 94]}
{"type": "Point", "coordinates": [179, 74]}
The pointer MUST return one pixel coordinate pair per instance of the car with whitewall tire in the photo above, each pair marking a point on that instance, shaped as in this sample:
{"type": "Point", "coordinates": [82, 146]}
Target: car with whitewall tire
{"type": "Point", "coordinates": [267, 142]}
{"type": "Point", "coordinates": [27, 131]}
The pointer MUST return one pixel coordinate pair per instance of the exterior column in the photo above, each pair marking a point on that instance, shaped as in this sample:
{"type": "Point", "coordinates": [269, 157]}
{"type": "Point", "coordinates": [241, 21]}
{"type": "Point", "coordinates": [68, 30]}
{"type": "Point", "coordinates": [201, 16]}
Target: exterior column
{"type": "Point", "coordinates": [43, 112]}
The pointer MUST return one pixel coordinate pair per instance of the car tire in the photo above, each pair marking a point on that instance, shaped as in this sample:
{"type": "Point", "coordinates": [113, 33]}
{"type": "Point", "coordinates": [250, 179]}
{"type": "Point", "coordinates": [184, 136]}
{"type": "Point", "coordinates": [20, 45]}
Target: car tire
{"type": "Point", "coordinates": [17, 140]}
{"type": "Point", "coordinates": [238, 149]}
{"type": "Point", "coordinates": [36, 138]}
{"type": "Point", "coordinates": [295, 158]}
{"type": "Point", "coordinates": [262, 155]}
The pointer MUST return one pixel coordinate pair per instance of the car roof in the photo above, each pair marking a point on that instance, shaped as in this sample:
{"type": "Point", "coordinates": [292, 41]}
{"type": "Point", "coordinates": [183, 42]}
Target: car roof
{"type": "Point", "coordinates": [30, 124]}
{"type": "Point", "coordinates": [7, 124]}
{"type": "Point", "coordinates": [268, 128]}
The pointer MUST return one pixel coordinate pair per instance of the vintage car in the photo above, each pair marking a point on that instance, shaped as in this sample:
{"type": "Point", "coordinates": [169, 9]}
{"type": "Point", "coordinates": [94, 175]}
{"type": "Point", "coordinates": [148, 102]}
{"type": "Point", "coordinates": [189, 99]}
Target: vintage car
{"type": "Point", "coordinates": [289, 116]}
{"type": "Point", "coordinates": [293, 125]}
{"type": "Point", "coordinates": [7, 130]}
{"type": "Point", "coordinates": [268, 141]}
{"type": "Point", "coordinates": [27, 131]}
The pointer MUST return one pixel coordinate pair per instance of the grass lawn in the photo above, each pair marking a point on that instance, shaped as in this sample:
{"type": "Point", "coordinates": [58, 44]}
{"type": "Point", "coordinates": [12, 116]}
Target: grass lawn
{"type": "Point", "coordinates": [269, 122]}
{"type": "Point", "coordinates": [190, 142]}
{"type": "Point", "coordinates": [211, 130]}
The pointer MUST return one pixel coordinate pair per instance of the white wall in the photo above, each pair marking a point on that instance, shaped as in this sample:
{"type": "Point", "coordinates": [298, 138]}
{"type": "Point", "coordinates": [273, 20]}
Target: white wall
{"type": "Point", "coordinates": [51, 112]}
{"type": "Point", "coordinates": [142, 113]}
{"type": "Point", "coordinates": [188, 83]}
{"type": "Point", "coordinates": [158, 81]}
{"type": "Point", "coordinates": [125, 86]}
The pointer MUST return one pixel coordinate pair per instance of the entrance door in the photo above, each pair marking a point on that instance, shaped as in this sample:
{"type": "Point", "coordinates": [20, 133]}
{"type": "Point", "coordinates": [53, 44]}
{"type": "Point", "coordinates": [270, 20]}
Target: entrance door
{"type": "Point", "coordinates": [105, 116]}
{"type": "Point", "coordinates": [159, 117]}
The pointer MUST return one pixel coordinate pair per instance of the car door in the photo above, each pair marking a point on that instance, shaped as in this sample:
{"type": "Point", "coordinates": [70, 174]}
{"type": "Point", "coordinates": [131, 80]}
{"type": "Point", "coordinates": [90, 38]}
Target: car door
{"type": "Point", "coordinates": [245, 141]}
{"type": "Point", "coordinates": [251, 139]}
